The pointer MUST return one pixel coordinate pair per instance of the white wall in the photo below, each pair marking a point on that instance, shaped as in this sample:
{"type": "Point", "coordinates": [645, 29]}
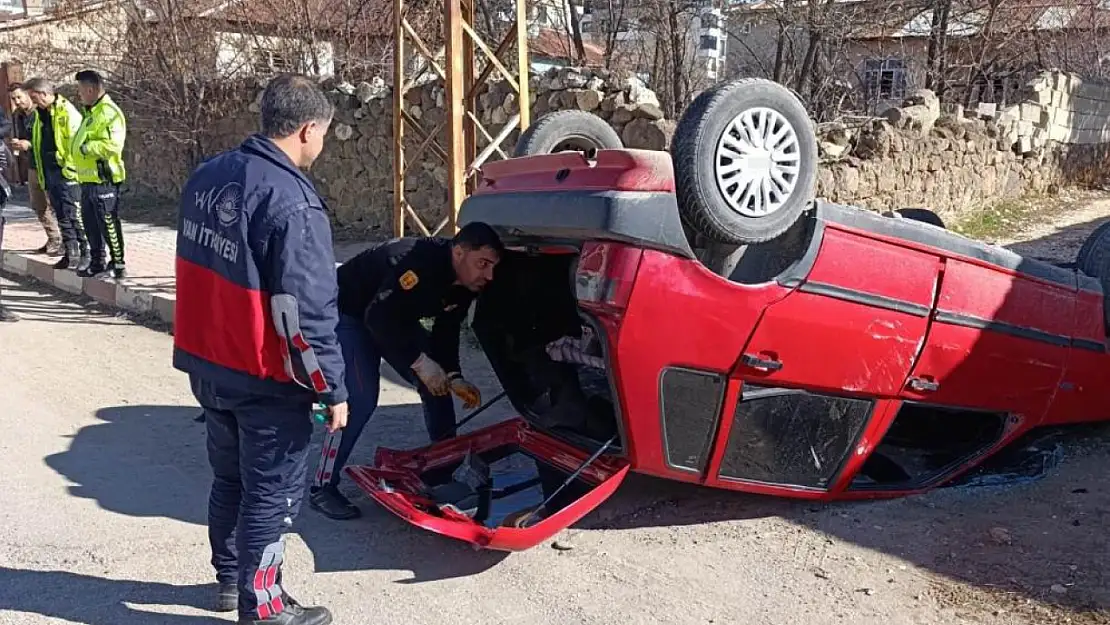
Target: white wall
{"type": "Point", "coordinates": [240, 54]}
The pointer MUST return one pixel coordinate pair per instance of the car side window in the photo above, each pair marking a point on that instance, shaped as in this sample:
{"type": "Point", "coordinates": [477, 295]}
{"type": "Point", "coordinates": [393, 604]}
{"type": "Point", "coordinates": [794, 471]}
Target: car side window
{"type": "Point", "coordinates": [792, 437]}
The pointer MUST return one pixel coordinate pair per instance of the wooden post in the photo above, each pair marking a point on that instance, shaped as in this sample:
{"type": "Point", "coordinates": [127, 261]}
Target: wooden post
{"type": "Point", "coordinates": [398, 118]}
{"type": "Point", "coordinates": [470, 145]}
{"type": "Point", "coordinates": [524, 63]}
{"type": "Point", "coordinates": [456, 90]}
{"type": "Point", "coordinates": [462, 124]}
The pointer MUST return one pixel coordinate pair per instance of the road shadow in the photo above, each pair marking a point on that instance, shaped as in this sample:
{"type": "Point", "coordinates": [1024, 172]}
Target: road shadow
{"type": "Point", "coordinates": [36, 302]}
{"type": "Point", "coordinates": [158, 468]}
{"type": "Point", "coordinates": [76, 598]}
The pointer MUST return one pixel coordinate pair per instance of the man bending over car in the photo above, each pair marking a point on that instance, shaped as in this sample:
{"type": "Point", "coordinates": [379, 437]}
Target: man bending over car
{"type": "Point", "coordinates": [384, 292]}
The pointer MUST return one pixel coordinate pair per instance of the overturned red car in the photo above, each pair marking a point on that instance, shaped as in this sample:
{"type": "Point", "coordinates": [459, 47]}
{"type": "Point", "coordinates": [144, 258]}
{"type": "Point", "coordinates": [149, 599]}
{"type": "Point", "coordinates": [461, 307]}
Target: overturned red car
{"type": "Point", "coordinates": [699, 316]}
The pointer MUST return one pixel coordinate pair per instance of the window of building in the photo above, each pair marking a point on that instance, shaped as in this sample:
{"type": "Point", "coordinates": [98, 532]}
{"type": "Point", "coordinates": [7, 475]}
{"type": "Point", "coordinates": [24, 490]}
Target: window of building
{"type": "Point", "coordinates": [885, 79]}
{"type": "Point", "coordinates": [270, 61]}
{"type": "Point", "coordinates": [709, 42]}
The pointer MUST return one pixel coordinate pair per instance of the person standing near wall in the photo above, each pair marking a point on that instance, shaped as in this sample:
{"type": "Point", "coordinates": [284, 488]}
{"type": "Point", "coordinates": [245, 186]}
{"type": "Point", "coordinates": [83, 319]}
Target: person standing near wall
{"type": "Point", "coordinates": [98, 156]}
{"type": "Point", "coordinates": [56, 122]}
{"type": "Point", "coordinates": [23, 120]}
{"type": "Point", "coordinates": [6, 315]}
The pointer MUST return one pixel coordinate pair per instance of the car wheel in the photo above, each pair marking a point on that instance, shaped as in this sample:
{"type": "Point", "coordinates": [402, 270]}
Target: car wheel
{"type": "Point", "coordinates": [923, 215]}
{"type": "Point", "coordinates": [562, 131]}
{"type": "Point", "coordinates": [1094, 260]}
{"type": "Point", "coordinates": [1092, 238]}
{"type": "Point", "coordinates": [745, 160]}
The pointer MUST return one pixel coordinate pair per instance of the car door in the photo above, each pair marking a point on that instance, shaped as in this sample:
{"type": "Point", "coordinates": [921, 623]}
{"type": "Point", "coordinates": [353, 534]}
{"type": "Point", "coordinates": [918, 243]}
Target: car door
{"type": "Point", "coordinates": [854, 325]}
{"type": "Point", "coordinates": [999, 339]}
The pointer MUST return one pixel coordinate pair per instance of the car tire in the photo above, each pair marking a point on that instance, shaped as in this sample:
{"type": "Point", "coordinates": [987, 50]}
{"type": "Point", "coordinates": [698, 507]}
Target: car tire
{"type": "Point", "coordinates": [1092, 238]}
{"type": "Point", "coordinates": [561, 131]}
{"type": "Point", "coordinates": [1094, 260]}
{"type": "Point", "coordinates": [713, 196]}
{"type": "Point", "coordinates": [923, 215]}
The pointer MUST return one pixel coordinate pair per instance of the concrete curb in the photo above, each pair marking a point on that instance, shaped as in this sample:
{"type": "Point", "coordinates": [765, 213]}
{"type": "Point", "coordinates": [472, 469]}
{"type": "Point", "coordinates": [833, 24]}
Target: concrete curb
{"type": "Point", "coordinates": [106, 290]}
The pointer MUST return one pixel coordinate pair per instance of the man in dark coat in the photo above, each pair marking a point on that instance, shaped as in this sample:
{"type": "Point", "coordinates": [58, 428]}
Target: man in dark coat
{"type": "Point", "coordinates": [254, 328]}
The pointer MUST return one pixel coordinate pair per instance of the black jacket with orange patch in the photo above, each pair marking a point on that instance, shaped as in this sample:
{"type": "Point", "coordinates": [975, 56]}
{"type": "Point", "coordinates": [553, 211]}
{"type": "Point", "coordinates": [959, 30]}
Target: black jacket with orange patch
{"type": "Point", "coordinates": [393, 285]}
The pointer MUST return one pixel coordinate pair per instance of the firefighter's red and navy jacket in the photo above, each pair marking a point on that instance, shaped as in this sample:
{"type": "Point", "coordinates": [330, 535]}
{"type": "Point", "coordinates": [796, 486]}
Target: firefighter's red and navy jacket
{"type": "Point", "coordinates": [256, 285]}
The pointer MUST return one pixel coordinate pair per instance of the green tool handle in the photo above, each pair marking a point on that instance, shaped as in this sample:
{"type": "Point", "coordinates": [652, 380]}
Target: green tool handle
{"type": "Point", "coordinates": [320, 414]}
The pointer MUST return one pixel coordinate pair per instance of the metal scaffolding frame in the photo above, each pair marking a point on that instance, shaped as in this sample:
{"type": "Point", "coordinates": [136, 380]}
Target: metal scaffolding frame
{"type": "Point", "coordinates": [461, 42]}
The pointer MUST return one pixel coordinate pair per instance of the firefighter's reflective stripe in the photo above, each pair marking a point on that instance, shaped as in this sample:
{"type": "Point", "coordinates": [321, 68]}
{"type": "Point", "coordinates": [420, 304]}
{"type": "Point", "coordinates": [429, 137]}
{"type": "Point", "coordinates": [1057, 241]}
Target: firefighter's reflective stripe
{"type": "Point", "coordinates": [267, 591]}
{"type": "Point", "coordinates": [300, 360]}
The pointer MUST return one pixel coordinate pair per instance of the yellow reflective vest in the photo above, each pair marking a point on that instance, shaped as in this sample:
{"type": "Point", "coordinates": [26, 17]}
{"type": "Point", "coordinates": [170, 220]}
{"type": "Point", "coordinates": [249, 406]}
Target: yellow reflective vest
{"type": "Point", "coordinates": [65, 120]}
{"type": "Point", "coordinates": [98, 144]}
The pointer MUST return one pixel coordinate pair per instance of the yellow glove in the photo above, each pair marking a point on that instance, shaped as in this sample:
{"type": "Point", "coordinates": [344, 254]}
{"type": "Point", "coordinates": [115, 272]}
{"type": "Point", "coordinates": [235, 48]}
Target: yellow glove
{"type": "Point", "coordinates": [431, 374]}
{"type": "Point", "coordinates": [467, 392]}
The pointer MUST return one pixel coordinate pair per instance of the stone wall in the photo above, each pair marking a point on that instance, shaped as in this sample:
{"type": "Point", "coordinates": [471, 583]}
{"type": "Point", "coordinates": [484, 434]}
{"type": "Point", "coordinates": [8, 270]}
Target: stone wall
{"type": "Point", "coordinates": [355, 171]}
{"type": "Point", "coordinates": [911, 156]}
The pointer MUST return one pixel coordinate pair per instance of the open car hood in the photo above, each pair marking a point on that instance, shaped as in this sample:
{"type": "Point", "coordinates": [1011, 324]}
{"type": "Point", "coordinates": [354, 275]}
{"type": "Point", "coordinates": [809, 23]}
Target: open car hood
{"type": "Point", "coordinates": [483, 487]}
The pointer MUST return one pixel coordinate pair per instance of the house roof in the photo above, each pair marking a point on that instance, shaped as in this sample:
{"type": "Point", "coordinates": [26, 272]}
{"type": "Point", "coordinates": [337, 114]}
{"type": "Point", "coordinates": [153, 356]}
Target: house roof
{"type": "Point", "coordinates": [368, 17]}
{"type": "Point", "coordinates": [1009, 17]}
{"type": "Point", "coordinates": [882, 19]}
{"type": "Point", "coordinates": [556, 45]}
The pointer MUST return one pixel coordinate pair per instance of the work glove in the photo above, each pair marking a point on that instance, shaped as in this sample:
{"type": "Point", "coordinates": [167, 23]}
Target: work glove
{"type": "Point", "coordinates": [432, 375]}
{"type": "Point", "coordinates": [467, 392]}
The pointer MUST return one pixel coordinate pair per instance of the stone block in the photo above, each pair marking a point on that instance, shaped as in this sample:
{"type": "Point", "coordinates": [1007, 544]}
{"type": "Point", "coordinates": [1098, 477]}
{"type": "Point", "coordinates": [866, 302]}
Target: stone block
{"type": "Point", "coordinates": [1025, 144]}
{"type": "Point", "coordinates": [1061, 134]}
{"type": "Point", "coordinates": [1040, 83]}
{"type": "Point", "coordinates": [1009, 114]}
{"type": "Point", "coordinates": [987, 110]}
{"type": "Point", "coordinates": [1030, 112]}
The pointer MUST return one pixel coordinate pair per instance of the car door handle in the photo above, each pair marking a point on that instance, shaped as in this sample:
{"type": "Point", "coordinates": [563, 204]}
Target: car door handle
{"type": "Point", "coordinates": [923, 385]}
{"type": "Point", "coordinates": [762, 364]}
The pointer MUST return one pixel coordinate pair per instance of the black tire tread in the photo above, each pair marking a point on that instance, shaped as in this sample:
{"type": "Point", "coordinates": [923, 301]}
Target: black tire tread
{"type": "Point", "coordinates": [922, 215]}
{"type": "Point", "coordinates": [687, 137]}
{"type": "Point", "coordinates": [1094, 260]}
{"type": "Point", "coordinates": [562, 125]}
{"type": "Point", "coordinates": [1092, 238]}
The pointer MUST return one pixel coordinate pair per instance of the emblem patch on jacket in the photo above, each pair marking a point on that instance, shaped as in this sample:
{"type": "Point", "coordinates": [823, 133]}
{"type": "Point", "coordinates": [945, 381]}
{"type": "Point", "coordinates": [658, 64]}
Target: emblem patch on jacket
{"type": "Point", "coordinates": [408, 280]}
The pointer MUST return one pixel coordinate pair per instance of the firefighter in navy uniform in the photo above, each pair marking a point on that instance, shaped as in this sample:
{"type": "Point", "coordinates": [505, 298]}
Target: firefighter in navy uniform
{"type": "Point", "coordinates": [384, 292]}
{"type": "Point", "coordinates": [254, 328]}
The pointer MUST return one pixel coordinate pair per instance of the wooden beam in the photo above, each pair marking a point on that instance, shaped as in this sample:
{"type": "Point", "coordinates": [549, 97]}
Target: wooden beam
{"type": "Point", "coordinates": [399, 169]}
{"type": "Point", "coordinates": [470, 101]}
{"type": "Point", "coordinates": [491, 56]}
{"type": "Point", "coordinates": [456, 89]}
{"type": "Point", "coordinates": [524, 63]}
{"type": "Point", "coordinates": [423, 50]}
{"type": "Point", "coordinates": [510, 38]}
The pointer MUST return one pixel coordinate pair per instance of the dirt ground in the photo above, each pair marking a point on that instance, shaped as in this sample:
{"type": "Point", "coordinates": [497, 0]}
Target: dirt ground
{"type": "Point", "coordinates": [105, 488]}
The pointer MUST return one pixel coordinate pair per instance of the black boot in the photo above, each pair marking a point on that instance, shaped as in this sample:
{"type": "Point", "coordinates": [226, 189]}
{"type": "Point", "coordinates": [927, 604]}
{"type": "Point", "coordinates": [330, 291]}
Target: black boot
{"type": "Point", "coordinates": [72, 258]}
{"type": "Point", "coordinates": [95, 267]}
{"type": "Point", "coordinates": [328, 501]}
{"type": "Point", "coordinates": [83, 263]}
{"type": "Point", "coordinates": [294, 614]}
{"type": "Point", "coordinates": [119, 270]}
{"type": "Point", "coordinates": [227, 597]}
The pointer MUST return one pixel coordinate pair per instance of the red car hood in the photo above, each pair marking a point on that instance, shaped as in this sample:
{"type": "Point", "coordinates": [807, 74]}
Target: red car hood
{"type": "Point", "coordinates": [410, 484]}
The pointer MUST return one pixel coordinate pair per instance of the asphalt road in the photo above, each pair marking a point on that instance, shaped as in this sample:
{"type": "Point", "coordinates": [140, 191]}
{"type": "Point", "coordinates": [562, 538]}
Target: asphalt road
{"type": "Point", "coordinates": [104, 488]}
